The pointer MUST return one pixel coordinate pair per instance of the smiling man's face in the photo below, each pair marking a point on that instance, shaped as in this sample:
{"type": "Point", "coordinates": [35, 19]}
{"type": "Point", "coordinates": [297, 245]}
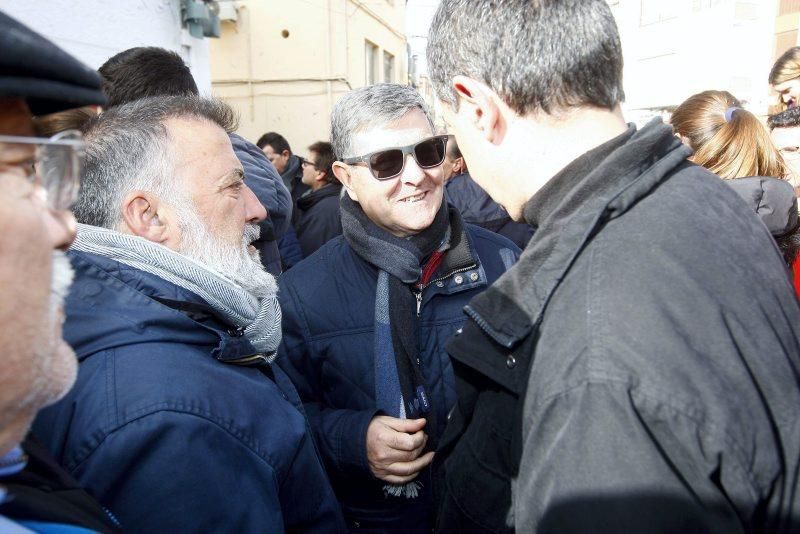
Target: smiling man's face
{"type": "Point", "coordinates": [407, 204]}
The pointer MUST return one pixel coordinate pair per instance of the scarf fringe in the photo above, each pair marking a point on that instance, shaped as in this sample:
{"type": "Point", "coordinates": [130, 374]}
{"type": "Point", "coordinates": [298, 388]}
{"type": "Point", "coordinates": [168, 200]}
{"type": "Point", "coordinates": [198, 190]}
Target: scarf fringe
{"type": "Point", "coordinates": [410, 490]}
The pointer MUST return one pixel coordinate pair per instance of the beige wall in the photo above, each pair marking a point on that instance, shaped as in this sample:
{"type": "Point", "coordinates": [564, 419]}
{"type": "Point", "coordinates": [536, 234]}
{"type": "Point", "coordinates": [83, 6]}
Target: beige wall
{"type": "Point", "coordinates": [282, 65]}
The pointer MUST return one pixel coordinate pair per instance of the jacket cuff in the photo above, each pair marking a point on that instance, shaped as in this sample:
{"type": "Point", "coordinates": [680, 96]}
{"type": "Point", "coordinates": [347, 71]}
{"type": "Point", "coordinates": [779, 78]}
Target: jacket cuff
{"type": "Point", "coordinates": [353, 441]}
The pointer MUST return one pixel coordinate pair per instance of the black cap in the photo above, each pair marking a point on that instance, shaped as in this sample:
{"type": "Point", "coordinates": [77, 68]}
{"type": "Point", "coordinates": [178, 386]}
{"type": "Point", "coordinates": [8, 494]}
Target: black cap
{"type": "Point", "coordinates": [48, 78]}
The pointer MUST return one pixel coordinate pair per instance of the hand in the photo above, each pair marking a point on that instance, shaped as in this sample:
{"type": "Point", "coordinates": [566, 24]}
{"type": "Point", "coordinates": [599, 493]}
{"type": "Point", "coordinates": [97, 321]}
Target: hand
{"type": "Point", "coordinates": [393, 448]}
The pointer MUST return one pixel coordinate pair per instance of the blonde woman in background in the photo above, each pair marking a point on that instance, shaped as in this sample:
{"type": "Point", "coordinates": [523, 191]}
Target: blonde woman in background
{"type": "Point", "coordinates": [727, 140]}
{"type": "Point", "coordinates": [785, 78]}
{"type": "Point", "coordinates": [732, 143]}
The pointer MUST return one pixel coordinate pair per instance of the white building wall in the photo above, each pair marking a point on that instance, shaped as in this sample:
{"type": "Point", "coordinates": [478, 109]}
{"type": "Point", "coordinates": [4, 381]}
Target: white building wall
{"type": "Point", "coordinates": [95, 30]}
{"type": "Point", "coordinates": [674, 49]}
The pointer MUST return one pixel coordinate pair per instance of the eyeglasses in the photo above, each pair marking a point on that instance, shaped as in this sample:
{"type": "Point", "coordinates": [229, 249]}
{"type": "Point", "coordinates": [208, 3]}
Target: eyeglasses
{"type": "Point", "coordinates": [389, 163]}
{"type": "Point", "coordinates": [305, 162]}
{"type": "Point", "coordinates": [57, 165]}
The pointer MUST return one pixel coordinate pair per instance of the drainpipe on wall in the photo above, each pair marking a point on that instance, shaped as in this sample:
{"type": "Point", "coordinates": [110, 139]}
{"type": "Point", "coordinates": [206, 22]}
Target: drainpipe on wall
{"type": "Point", "coordinates": [250, 91]}
{"type": "Point", "coordinates": [330, 56]}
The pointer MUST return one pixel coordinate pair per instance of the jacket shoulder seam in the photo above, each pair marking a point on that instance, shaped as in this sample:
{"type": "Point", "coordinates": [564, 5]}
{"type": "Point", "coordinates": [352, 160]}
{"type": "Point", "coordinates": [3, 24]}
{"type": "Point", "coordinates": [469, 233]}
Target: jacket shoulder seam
{"type": "Point", "coordinates": [239, 436]}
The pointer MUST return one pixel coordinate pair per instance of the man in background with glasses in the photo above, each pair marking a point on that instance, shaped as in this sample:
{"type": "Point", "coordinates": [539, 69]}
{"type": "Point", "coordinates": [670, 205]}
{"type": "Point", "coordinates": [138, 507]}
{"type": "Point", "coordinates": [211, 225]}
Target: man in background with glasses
{"type": "Point", "coordinates": [39, 180]}
{"type": "Point", "coordinates": [316, 217]}
{"type": "Point", "coordinates": [367, 316]}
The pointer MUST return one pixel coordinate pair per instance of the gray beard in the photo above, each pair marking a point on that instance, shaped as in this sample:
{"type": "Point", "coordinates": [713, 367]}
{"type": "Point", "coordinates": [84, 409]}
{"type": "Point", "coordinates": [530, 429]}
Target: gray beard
{"type": "Point", "coordinates": [54, 376]}
{"type": "Point", "coordinates": [237, 263]}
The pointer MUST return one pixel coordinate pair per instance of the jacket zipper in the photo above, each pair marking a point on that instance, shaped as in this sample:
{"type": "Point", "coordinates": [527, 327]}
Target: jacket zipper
{"type": "Point", "coordinates": [418, 293]}
{"type": "Point", "coordinates": [246, 360]}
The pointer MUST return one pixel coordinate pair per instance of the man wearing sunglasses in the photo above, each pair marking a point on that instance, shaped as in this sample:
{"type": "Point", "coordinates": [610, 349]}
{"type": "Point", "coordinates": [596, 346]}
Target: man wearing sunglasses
{"type": "Point", "coordinates": [637, 370]}
{"type": "Point", "coordinates": [367, 316]}
{"type": "Point", "coordinates": [38, 184]}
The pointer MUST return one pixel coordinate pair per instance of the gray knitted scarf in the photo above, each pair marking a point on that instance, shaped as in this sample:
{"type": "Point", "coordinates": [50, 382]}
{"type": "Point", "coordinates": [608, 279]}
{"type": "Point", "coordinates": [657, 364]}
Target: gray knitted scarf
{"type": "Point", "coordinates": [261, 320]}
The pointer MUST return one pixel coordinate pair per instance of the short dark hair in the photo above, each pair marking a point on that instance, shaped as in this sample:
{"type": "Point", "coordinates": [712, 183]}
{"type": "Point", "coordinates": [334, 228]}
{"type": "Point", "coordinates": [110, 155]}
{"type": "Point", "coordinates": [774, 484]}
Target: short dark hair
{"type": "Point", "coordinates": [538, 55]}
{"type": "Point", "coordinates": [145, 71]}
{"type": "Point", "coordinates": [275, 140]}
{"type": "Point", "coordinates": [785, 119]}
{"type": "Point", "coordinates": [325, 159]}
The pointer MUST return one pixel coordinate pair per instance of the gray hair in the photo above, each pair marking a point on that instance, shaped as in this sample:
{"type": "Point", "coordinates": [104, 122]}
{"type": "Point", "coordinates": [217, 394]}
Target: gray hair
{"type": "Point", "coordinates": [537, 55]}
{"type": "Point", "coordinates": [128, 148]}
{"type": "Point", "coordinates": [369, 107]}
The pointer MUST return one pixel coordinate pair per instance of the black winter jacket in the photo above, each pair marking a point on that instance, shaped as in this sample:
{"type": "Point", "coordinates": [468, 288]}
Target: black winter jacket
{"type": "Point", "coordinates": [637, 370]}
{"type": "Point", "coordinates": [266, 183]}
{"type": "Point", "coordinates": [316, 218]}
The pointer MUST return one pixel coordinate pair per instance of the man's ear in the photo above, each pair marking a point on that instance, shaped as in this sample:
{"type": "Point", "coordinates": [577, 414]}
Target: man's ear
{"type": "Point", "coordinates": [480, 105]}
{"type": "Point", "coordinates": [342, 173]}
{"type": "Point", "coordinates": [458, 166]}
{"type": "Point", "coordinates": [322, 176]}
{"type": "Point", "coordinates": [140, 211]}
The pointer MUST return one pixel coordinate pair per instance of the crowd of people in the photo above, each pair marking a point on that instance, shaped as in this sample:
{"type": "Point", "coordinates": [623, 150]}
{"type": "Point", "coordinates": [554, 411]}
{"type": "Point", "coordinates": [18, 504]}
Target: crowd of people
{"type": "Point", "coordinates": [542, 319]}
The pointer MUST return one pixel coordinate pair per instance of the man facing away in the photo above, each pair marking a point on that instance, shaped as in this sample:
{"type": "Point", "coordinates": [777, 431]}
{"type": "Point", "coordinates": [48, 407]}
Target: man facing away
{"type": "Point", "coordinates": [316, 215]}
{"type": "Point", "coordinates": [637, 369]}
{"type": "Point", "coordinates": [178, 422]}
{"type": "Point", "coordinates": [366, 317]}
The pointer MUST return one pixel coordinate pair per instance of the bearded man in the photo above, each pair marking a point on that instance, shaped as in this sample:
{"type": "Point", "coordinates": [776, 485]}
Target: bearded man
{"type": "Point", "coordinates": [178, 422]}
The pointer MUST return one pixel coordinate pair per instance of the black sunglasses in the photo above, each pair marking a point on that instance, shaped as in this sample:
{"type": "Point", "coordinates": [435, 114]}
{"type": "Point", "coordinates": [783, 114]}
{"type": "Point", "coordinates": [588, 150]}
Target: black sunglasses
{"type": "Point", "coordinates": [389, 163]}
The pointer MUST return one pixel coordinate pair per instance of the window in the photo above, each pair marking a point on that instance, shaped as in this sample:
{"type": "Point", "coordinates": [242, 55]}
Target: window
{"type": "Point", "coordinates": [370, 62]}
{"type": "Point", "coordinates": [784, 41]}
{"type": "Point", "coordinates": [789, 6]}
{"type": "Point", "coordinates": [388, 67]}
{"type": "Point", "coordinates": [655, 11]}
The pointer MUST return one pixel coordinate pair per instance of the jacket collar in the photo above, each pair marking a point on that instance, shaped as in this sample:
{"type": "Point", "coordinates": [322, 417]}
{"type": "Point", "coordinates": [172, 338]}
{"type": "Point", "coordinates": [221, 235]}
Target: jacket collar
{"type": "Point", "coordinates": [293, 169]}
{"type": "Point", "coordinates": [112, 305]}
{"type": "Point", "coordinates": [310, 198]}
{"type": "Point", "coordinates": [592, 190]}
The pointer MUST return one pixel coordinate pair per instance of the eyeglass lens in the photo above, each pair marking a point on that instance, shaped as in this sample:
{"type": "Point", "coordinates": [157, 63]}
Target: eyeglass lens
{"type": "Point", "coordinates": [389, 163]}
{"type": "Point", "coordinates": [59, 167]}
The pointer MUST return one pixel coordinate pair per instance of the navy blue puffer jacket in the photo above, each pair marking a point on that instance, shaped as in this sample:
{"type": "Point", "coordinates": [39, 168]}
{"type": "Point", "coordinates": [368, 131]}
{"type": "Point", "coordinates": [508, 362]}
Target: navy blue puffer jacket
{"type": "Point", "coordinates": [262, 177]}
{"type": "Point", "coordinates": [163, 426]}
{"type": "Point", "coordinates": [328, 303]}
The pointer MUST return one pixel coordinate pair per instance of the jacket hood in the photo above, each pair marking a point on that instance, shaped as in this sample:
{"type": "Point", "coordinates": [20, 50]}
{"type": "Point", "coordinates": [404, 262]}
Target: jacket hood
{"type": "Point", "coordinates": [112, 305]}
{"type": "Point", "coordinates": [293, 168]}
{"type": "Point", "coordinates": [773, 200]}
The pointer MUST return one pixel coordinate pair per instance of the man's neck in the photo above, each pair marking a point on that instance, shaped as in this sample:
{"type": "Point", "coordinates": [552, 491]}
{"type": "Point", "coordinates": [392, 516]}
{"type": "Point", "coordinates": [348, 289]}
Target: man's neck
{"type": "Point", "coordinates": [316, 186]}
{"type": "Point", "coordinates": [548, 144]}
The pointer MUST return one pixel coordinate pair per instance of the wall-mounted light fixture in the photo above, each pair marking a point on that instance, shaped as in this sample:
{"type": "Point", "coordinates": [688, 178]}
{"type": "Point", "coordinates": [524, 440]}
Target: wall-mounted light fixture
{"type": "Point", "coordinates": [200, 17]}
